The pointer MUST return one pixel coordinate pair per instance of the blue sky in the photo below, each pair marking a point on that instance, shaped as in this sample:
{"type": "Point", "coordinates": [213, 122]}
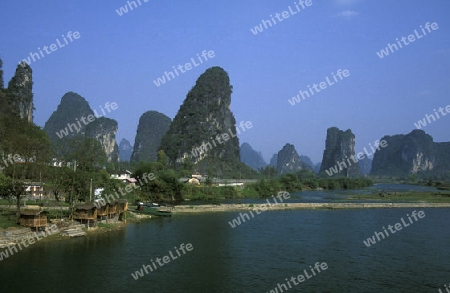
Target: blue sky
{"type": "Point", "coordinates": [117, 58]}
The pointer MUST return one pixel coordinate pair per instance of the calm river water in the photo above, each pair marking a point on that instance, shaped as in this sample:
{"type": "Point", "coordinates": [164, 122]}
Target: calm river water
{"type": "Point", "coordinates": [252, 257]}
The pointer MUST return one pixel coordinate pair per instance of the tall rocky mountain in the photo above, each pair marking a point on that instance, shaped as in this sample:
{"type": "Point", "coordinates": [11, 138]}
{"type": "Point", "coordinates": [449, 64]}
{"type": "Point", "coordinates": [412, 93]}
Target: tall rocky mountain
{"type": "Point", "coordinates": [17, 98]}
{"type": "Point", "coordinates": [125, 150]}
{"type": "Point", "coordinates": [288, 161]}
{"type": "Point", "coordinates": [151, 129]}
{"type": "Point", "coordinates": [64, 121]}
{"type": "Point", "coordinates": [338, 153]}
{"type": "Point", "coordinates": [70, 119]}
{"type": "Point", "coordinates": [251, 158]}
{"type": "Point", "coordinates": [104, 130]}
{"type": "Point", "coordinates": [204, 132]}
{"type": "Point", "coordinates": [411, 153]}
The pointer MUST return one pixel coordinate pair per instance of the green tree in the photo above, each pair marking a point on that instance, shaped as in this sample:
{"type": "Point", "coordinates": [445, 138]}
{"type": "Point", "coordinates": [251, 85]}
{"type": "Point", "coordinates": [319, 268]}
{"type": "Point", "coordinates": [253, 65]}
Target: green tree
{"type": "Point", "coordinates": [87, 152]}
{"type": "Point", "coordinates": [162, 159]}
{"type": "Point", "coordinates": [85, 158]}
{"type": "Point", "coordinates": [30, 143]}
{"type": "Point", "coordinates": [268, 172]}
{"type": "Point", "coordinates": [61, 181]}
{"type": "Point", "coordinates": [12, 189]}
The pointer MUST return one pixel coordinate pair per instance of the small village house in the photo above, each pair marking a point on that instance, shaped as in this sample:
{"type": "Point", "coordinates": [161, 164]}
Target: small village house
{"type": "Point", "coordinates": [33, 218]}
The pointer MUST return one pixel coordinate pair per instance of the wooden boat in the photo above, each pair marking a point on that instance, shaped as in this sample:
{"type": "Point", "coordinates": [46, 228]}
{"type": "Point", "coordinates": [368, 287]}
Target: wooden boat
{"type": "Point", "coordinates": [154, 211]}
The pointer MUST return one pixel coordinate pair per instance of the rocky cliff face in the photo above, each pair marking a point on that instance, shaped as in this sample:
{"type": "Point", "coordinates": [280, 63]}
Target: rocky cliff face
{"type": "Point", "coordinates": [204, 127]}
{"type": "Point", "coordinates": [289, 161]}
{"type": "Point", "coordinates": [19, 93]}
{"type": "Point", "coordinates": [71, 119]}
{"type": "Point", "coordinates": [104, 130]}
{"type": "Point", "coordinates": [151, 129]}
{"type": "Point", "coordinates": [411, 153]}
{"type": "Point", "coordinates": [125, 150]}
{"type": "Point", "coordinates": [251, 158]}
{"type": "Point", "coordinates": [66, 120]}
{"type": "Point", "coordinates": [339, 151]}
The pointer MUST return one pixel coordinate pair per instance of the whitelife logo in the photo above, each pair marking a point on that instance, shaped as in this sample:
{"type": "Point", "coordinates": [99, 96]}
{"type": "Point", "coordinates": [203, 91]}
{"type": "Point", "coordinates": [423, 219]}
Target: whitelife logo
{"type": "Point", "coordinates": [285, 14]}
{"type": "Point", "coordinates": [258, 210]}
{"type": "Point", "coordinates": [411, 38]}
{"type": "Point", "coordinates": [77, 127]}
{"type": "Point", "coordinates": [36, 56]}
{"type": "Point", "coordinates": [346, 163]}
{"type": "Point", "coordinates": [13, 248]}
{"type": "Point", "coordinates": [318, 268]}
{"type": "Point", "coordinates": [423, 123]}
{"type": "Point", "coordinates": [166, 259]}
{"type": "Point", "coordinates": [397, 226]}
{"type": "Point", "coordinates": [128, 189]}
{"type": "Point", "coordinates": [184, 68]}
{"type": "Point", "coordinates": [323, 85]}
{"type": "Point", "coordinates": [203, 148]}
{"type": "Point", "coordinates": [124, 10]}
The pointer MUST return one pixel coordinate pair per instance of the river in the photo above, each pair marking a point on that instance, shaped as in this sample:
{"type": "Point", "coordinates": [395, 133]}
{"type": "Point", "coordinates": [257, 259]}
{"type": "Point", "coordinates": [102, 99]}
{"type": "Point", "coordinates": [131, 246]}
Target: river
{"type": "Point", "coordinates": [253, 257]}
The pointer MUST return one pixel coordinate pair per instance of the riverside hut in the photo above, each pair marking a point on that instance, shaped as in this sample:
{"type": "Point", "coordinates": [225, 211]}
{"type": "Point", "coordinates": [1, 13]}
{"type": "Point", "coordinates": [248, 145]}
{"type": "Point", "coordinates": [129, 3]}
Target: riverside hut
{"type": "Point", "coordinates": [33, 218]}
{"type": "Point", "coordinates": [122, 208]}
{"type": "Point", "coordinates": [102, 211]}
{"type": "Point", "coordinates": [86, 213]}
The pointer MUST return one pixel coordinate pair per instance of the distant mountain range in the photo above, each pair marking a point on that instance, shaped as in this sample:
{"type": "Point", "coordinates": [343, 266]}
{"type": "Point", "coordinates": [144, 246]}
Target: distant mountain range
{"type": "Point", "coordinates": [251, 158]}
{"type": "Point", "coordinates": [203, 134]}
{"type": "Point", "coordinates": [151, 129]}
{"type": "Point", "coordinates": [411, 153]}
{"type": "Point", "coordinates": [74, 116]}
{"type": "Point", "coordinates": [125, 150]}
{"type": "Point", "coordinates": [288, 161]}
{"type": "Point", "coordinates": [338, 154]}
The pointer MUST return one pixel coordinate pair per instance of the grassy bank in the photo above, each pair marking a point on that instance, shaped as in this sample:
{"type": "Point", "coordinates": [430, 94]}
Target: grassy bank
{"type": "Point", "coordinates": [410, 196]}
{"type": "Point", "coordinates": [8, 219]}
{"type": "Point", "coordinates": [302, 206]}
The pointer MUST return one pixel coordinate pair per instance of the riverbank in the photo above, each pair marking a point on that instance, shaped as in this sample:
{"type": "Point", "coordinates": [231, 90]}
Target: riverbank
{"type": "Point", "coordinates": [300, 206]}
{"type": "Point", "coordinates": [132, 217]}
{"type": "Point", "coordinates": [13, 233]}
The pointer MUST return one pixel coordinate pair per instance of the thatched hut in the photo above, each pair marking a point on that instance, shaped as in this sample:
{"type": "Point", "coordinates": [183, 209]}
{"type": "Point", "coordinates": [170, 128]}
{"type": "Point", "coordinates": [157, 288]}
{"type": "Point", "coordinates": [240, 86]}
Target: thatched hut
{"type": "Point", "coordinates": [102, 211]}
{"type": "Point", "coordinates": [112, 208]}
{"type": "Point", "coordinates": [107, 211]}
{"type": "Point", "coordinates": [122, 208]}
{"type": "Point", "coordinates": [122, 205]}
{"type": "Point", "coordinates": [86, 213]}
{"type": "Point", "coordinates": [33, 218]}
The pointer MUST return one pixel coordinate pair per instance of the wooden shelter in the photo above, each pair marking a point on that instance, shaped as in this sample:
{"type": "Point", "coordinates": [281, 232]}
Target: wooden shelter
{"type": "Point", "coordinates": [122, 205]}
{"type": "Point", "coordinates": [102, 211]}
{"type": "Point", "coordinates": [122, 208]}
{"type": "Point", "coordinates": [33, 218]}
{"type": "Point", "coordinates": [86, 213]}
{"type": "Point", "coordinates": [107, 211]}
{"type": "Point", "coordinates": [112, 210]}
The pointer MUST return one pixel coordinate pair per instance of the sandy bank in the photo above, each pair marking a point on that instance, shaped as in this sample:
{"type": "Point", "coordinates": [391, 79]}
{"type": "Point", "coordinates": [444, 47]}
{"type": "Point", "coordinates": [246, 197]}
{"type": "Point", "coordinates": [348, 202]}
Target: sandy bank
{"type": "Point", "coordinates": [302, 206]}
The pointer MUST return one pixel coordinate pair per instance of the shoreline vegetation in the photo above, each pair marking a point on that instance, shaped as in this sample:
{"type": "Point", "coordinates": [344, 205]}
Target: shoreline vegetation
{"type": "Point", "coordinates": [422, 200]}
{"type": "Point", "coordinates": [216, 198]}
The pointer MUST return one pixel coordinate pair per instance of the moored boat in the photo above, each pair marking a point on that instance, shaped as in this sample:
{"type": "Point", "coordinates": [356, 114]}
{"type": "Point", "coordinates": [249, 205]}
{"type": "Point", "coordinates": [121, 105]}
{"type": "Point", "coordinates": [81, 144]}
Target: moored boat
{"type": "Point", "coordinates": [154, 211]}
